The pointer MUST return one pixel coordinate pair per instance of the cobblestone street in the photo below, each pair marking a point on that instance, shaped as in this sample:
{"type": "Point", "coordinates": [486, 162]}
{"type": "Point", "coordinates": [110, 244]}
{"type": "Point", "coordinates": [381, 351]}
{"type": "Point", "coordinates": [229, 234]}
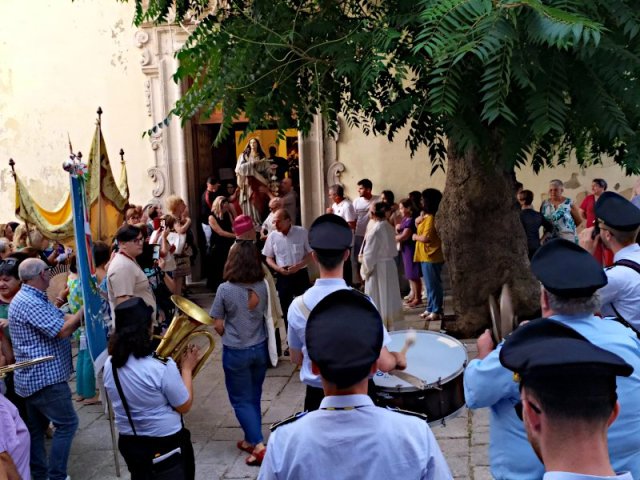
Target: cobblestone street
{"type": "Point", "coordinates": [215, 430]}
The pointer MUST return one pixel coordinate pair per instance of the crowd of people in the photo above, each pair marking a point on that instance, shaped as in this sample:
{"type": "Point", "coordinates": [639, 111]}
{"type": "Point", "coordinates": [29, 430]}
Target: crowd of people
{"type": "Point", "coordinates": [257, 258]}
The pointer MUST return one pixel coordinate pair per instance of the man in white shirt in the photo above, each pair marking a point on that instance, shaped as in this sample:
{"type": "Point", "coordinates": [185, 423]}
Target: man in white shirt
{"type": "Point", "coordinates": [342, 206]}
{"type": "Point", "coordinates": [344, 209]}
{"type": "Point", "coordinates": [361, 206]}
{"type": "Point", "coordinates": [275, 204]}
{"type": "Point", "coordinates": [288, 252]}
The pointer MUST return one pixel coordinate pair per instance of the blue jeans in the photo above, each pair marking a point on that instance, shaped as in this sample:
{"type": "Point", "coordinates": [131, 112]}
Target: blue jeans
{"type": "Point", "coordinates": [51, 404]}
{"type": "Point", "coordinates": [244, 372]}
{"type": "Point", "coordinates": [435, 293]}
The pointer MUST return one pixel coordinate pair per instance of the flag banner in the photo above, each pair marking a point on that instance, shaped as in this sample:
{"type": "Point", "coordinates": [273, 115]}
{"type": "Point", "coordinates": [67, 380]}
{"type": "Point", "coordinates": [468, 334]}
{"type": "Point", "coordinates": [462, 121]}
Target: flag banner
{"type": "Point", "coordinates": [95, 328]}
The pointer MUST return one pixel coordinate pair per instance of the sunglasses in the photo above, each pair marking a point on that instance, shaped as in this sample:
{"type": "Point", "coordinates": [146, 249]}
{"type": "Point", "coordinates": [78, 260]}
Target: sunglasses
{"type": "Point", "coordinates": [8, 267]}
{"type": "Point", "coordinates": [518, 408]}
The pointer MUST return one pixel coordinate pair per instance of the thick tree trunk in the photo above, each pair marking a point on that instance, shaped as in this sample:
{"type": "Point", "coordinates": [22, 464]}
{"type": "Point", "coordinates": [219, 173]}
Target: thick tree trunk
{"type": "Point", "coordinates": [484, 242]}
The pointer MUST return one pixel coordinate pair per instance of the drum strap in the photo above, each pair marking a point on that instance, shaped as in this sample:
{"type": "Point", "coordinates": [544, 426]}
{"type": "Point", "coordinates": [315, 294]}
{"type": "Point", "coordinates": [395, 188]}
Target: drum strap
{"type": "Point", "coordinates": [299, 301]}
{"type": "Point", "coordinates": [410, 379]}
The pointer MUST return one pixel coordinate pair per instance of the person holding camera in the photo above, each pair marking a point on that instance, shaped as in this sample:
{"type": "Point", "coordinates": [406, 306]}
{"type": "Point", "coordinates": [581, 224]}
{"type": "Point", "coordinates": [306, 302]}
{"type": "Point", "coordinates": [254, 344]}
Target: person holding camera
{"type": "Point", "coordinates": [149, 396]}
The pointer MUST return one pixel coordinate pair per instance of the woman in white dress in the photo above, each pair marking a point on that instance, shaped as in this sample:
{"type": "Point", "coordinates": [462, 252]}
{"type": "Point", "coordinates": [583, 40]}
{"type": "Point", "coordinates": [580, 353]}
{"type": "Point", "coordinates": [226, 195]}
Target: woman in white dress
{"type": "Point", "coordinates": [379, 269]}
{"type": "Point", "coordinates": [253, 170]}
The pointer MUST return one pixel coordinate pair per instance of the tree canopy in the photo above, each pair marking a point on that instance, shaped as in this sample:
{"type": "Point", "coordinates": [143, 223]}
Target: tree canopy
{"type": "Point", "coordinates": [516, 81]}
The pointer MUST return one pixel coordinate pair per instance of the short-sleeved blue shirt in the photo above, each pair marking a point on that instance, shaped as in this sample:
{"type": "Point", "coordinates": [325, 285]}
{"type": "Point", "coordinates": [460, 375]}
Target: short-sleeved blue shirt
{"type": "Point", "coordinates": [35, 324]}
{"type": "Point", "coordinates": [296, 333]}
{"type": "Point", "coordinates": [152, 389]}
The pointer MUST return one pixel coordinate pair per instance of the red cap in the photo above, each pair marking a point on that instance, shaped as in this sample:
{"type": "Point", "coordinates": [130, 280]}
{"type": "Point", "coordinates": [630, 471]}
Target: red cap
{"type": "Point", "coordinates": [242, 224]}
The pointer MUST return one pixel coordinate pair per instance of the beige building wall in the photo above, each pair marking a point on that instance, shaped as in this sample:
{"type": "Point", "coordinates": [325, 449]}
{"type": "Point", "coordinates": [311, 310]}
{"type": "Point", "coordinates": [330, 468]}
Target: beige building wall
{"type": "Point", "coordinates": [59, 61]}
{"type": "Point", "coordinates": [390, 167]}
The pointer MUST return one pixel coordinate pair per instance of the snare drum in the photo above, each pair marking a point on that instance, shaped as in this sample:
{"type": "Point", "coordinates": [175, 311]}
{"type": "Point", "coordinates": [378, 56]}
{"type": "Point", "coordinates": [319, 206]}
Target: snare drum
{"type": "Point", "coordinates": [437, 360]}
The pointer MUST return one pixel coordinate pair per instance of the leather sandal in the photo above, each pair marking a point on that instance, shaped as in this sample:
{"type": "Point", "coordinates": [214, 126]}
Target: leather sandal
{"type": "Point", "coordinates": [257, 458]}
{"type": "Point", "coordinates": [246, 447]}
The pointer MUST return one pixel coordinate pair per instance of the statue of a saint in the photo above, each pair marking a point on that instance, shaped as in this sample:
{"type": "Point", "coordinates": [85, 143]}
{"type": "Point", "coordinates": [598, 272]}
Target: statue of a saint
{"type": "Point", "coordinates": [253, 171]}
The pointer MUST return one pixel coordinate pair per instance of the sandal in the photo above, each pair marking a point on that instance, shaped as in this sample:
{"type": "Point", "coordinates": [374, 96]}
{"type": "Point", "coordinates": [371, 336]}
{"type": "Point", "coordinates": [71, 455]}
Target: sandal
{"type": "Point", "coordinates": [244, 446]}
{"type": "Point", "coordinates": [257, 458]}
{"type": "Point", "coordinates": [425, 315]}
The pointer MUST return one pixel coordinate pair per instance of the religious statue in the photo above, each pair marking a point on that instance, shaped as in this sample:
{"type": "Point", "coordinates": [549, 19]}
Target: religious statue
{"type": "Point", "coordinates": [254, 171]}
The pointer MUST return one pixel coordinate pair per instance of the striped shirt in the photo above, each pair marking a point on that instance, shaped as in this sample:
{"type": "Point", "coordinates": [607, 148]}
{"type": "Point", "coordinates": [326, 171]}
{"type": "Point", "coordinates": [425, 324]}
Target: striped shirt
{"type": "Point", "coordinates": [35, 324]}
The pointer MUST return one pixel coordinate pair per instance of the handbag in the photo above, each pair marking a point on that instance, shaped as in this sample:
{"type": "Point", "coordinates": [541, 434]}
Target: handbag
{"type": "Point", "coordinates": [157, 458]}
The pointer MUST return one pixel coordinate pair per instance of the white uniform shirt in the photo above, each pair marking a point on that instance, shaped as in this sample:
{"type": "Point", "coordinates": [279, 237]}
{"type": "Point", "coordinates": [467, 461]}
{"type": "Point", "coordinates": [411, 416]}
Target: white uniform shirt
{"type": "Point", "coordinates": [152, 389]}
{"type": "Point", "coordinates": [366, 442]}
{"type": "Point", "coordinates": [623, 289]}
{"type": "Point", "coordinates": [289, 249]}
{"type": "Point", "coordinates": [361, 205]}
{"type": "Point", "coordinates": [345, 210]}
{"type": "Point", "coordinates": [298, 324]}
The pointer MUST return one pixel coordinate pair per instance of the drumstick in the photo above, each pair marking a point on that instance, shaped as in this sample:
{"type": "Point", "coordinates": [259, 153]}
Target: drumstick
{"type": "Point", "coordinates": [409, 340]}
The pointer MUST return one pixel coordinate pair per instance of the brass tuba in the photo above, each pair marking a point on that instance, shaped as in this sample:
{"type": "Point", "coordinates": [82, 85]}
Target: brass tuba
{"type": "Point", "coordinates": [188, 322]}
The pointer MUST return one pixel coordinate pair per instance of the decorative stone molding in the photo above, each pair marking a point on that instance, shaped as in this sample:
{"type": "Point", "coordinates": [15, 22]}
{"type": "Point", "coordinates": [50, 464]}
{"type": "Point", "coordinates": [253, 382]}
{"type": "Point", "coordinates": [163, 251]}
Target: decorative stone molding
{"type": "Point", "coordinates": [158, 62]}
{"type": "Point", "coordinates": [157, 176]}
{"type": "Point", "coordinates": [140, 38]}
{"type": "Point", "coordinates": [334, 168]}
{"type": "Point", "coordinates": [145, 57]}
{"type": "Point", "coordinates": [333, 174]}
{"type": "Point", "coordinates": [156, 140]}
{"type": "Point", "coordinates": [147, 96]}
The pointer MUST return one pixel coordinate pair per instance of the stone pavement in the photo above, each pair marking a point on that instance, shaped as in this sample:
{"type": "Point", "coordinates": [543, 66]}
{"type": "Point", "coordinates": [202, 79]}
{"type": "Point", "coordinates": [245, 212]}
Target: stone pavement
{"type": "Point", "coordinates": [215, 430]}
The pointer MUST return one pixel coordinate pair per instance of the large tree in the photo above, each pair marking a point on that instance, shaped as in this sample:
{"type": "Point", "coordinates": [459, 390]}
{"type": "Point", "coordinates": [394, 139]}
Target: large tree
{"type": "Point", "coordinates": [487, 85]}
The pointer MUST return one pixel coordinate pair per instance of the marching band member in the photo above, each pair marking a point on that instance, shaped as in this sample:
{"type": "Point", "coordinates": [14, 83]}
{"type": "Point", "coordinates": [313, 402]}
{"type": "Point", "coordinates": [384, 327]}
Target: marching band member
{"type": "Point", "coordinates": [149, 396]}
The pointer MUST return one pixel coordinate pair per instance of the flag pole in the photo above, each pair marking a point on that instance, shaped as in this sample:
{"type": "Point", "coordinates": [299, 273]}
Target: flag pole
{"type": "Point", "coordinates": [99, 146]}
{"type": "Point", "coordinates": [12, 164]}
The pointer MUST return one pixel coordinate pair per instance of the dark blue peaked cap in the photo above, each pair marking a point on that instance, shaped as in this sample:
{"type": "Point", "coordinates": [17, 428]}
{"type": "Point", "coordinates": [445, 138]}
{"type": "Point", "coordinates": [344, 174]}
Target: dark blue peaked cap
{"type": "Point", "coordinates": [617, 212]}
{"type": "Point", "coordinates": [567, 270]}
{"type": "Point", "coordinates": [330, 232]}
{"type": "Point", "coordinates": [547, 348]}
{"type": "Point", "coordinates": [344, 337]}
{"type": "Point", "coordinates": [132, 315]}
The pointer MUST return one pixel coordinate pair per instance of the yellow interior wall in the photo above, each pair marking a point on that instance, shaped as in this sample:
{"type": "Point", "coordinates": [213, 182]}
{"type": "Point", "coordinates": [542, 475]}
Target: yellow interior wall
{"type": "Point", "coordinates": [266, 139]}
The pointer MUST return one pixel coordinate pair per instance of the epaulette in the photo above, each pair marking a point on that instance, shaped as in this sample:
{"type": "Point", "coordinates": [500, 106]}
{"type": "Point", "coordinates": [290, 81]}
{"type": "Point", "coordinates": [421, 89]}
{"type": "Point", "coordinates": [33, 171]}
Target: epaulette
{"type": "Point", "coordinates": [421, 416]}
{"type": "Point", "coordinates": [159, 358]}
{"type": "Point", "coordinates": [290, 419]}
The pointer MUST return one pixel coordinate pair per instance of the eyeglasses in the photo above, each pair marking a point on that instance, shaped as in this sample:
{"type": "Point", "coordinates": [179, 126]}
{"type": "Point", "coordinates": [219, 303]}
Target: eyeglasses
{"type": "Point", "coordinates": [518, 408]}
{"type": "Point", "coordinates": [138, 240]}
